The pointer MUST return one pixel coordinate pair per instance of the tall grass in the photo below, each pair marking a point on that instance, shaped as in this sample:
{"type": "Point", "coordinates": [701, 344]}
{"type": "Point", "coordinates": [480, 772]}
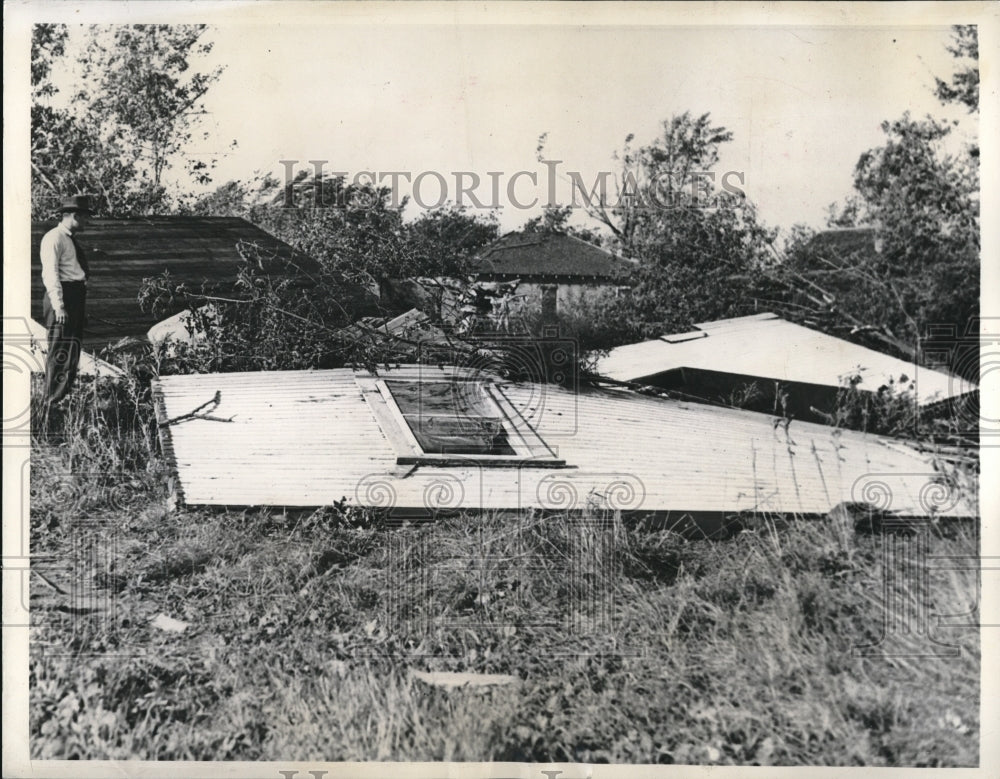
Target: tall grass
{"type": "Point", "coordinates": [628, 643]}
{"type": "Point", "coordinates": [303, 633]}
{"type": "Point", "coordinates": [92, 455]}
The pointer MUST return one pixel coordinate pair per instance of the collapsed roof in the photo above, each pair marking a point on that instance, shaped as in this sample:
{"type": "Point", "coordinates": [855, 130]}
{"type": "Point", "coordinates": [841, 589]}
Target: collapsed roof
{"type": "Point", "coordinates": [764, 346]}
{"type": "Point", "coordinates": [426, 439]}
{"type": "Point", "coordinates": [195, 250]}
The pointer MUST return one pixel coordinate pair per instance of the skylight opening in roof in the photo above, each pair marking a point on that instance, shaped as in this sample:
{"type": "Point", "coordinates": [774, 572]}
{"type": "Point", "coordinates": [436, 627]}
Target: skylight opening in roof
{"type": "Point", "coordinates": [451, 418]}
{"type": "Point", "coordinates": [682, 337]}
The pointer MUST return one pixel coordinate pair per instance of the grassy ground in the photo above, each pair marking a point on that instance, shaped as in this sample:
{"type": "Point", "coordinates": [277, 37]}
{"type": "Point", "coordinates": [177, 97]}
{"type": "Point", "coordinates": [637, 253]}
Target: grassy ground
{"type": "Point", "coordinates": [629, 644]}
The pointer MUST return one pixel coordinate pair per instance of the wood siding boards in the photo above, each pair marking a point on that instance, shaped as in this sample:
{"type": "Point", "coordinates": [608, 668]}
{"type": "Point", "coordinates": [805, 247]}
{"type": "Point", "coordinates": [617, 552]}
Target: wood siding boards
{"type": "Point", "coordinates": [196, 250]}
{"type": "Point", "coordinates": [310, 438]}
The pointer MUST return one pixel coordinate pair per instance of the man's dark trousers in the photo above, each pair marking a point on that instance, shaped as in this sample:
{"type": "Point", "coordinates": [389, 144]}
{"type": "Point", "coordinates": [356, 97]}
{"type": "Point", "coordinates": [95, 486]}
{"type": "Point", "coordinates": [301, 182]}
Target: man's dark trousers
{"type": "Point", "coordinates": [64, 340]}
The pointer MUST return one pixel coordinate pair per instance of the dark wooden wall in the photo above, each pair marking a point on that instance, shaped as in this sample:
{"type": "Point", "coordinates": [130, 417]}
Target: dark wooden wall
{"type": "Point", "coordinates": [122, 252]}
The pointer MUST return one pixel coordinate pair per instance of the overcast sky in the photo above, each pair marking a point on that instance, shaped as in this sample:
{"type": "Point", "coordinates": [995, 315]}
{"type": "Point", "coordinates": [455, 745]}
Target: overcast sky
{"type": "Point", "coordinates": [803, 102]}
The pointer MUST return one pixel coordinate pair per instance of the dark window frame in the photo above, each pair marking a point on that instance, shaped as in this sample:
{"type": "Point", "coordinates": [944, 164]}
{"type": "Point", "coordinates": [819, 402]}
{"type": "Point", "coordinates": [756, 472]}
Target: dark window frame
{"type": "Point", "coordinates": [529, 447]}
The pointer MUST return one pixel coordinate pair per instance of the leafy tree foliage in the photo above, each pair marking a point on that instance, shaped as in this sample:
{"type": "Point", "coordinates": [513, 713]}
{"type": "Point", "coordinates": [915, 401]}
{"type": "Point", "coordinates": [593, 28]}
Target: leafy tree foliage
{"type": "Point", "coordinates": [48, 42]}
{"type": "Point", "coordinates": [918, 265]}
{"type": "Point", "coordinates": [916, 269]}
{"type": "Point", "coordinates": [655, 180]}
{"type": "Point", "coordinates": [144, 84]}
{"type": "Point", "coordinates": [356, 229]}
{"type": "Point", "coordinates": [359, 237]}
{"type": "Point", "coordinates": [134, 111]}
{"type": "Point", "coordinates": [698, 251]}
{"type": "Point", "coordinates": [964, 85]}
{"type": "Point", "coordinates": [925, 200]}
{"type": "Point", "coordinates": [442, 241]}
{"type": "Point", "coordinates": [234, 198]}
{"type": "Point", "coordinates": [702, 265]}
{"type": "Point", "coordinates": [351, 229]}
{"type": "Point", "coordinates": [555, 219]}
{"type": "Point", "coordinates": [68, 153]}
{"type": "Point", "coordinates": [264, 320]}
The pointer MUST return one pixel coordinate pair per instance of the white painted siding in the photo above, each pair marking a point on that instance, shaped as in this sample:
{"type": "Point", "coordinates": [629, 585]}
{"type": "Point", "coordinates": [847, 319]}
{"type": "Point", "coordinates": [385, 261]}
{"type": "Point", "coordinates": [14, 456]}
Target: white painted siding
{"type": "Point", "coordinates": [309, 438]}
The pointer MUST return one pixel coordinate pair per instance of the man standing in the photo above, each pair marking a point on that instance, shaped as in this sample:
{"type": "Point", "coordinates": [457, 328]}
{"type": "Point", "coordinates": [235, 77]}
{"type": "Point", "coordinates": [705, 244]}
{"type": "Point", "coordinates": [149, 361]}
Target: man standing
{"type": "Point", "coordinates": [64, 274]}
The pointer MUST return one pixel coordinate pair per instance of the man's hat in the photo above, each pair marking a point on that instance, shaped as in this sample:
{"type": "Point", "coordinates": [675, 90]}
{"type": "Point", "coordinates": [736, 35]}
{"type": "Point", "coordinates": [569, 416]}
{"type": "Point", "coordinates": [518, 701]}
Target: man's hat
{"type": "Point", "coordinates": [78, 203]}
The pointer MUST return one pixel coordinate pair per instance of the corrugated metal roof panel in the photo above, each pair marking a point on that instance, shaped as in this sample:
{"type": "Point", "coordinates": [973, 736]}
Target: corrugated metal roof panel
{"type": "Point", "coordinates": [309, 438]}
{"type": "Point", "coordinates": [771, 348]}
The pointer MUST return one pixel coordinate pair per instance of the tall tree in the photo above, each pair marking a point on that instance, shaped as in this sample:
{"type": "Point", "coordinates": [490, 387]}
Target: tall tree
{"type": "Point", "coordinates": [917, 263]}
{"type": "Point", "coordinates": [48, 43]}
{"type": "Point", "coordinates": [697, 248]}
{"type": "Point", "coordinates": [655, 180]}
{"type": "Point", "coordinates": [355, 228]}
{"type": "Point", "coordinates": [144, 84]}
{"type": "Point", "coordinates": [440, 242]}
{"type": "Point", "coordinates": [916, 266]}
{"type": "Point", "coordinates": [69, 154]}
{"type": "Point", "coordinates": [136, 108]}
{"type": "Point", "coordinates": [555, 219]}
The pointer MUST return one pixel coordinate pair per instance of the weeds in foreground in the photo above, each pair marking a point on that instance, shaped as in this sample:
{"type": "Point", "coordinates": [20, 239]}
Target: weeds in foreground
{"type": "Point", "coordinates": [94, 454]}
{"type": "Point", "coordinates": [629, 645]}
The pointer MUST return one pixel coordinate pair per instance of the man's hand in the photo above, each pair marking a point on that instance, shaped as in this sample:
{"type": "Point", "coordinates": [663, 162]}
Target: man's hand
{"type": "Point", "coordinates": [60, 316]}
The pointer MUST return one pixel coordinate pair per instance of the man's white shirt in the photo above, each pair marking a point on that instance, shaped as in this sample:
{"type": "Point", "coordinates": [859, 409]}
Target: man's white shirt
{"type": "Point", "coordinates": [59, 263]}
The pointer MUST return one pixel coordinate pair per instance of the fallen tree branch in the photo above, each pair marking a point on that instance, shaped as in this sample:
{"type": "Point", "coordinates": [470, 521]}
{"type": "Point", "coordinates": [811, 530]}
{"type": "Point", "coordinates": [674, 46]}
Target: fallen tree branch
{"type": "Point", "coordinates": [214, 403]}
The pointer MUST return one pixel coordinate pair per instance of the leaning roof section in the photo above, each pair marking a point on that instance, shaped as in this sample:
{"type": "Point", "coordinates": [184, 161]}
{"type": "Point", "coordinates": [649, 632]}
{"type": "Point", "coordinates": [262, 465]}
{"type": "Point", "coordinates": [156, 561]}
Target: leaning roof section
{"type": "Point", "coordinates": [196, 250]}
{"type": "Point", "coordinates": [768, 347]}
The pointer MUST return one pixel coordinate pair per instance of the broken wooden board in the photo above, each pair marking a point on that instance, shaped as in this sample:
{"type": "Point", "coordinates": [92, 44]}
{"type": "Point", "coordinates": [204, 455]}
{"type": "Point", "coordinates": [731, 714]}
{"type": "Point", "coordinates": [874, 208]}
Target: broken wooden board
{"type": "Point", "coordinates": [450, 680]}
